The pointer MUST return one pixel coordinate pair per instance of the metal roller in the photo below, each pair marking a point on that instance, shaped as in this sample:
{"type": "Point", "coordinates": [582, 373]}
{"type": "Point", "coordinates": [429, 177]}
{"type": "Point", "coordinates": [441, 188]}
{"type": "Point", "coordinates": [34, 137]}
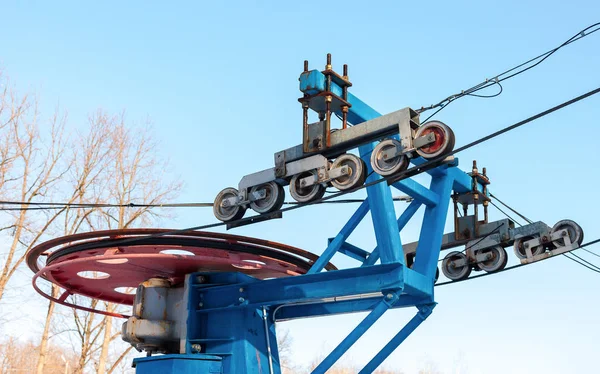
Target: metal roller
{"type": "Point", "coordinates": [386, 158]}
{"type": "Point", "coordinates": [456, 266]}
{"type": "Point", "coordinates": [575, 232]}
{"type": "Point", "coordinates": [304, 194]}
{"type": "Point", "coordinates": [497, 261]}
{"type": "Point", "coordinates": [273, 200]}
{"type": "Point", "coordinates": [356, 175]}
{"type": "Point", "coordinates": [224, 211]}
{"type": "Point", "coordinates": [444, 139]}
{"type": "Point", "coordinates": [520, 250]}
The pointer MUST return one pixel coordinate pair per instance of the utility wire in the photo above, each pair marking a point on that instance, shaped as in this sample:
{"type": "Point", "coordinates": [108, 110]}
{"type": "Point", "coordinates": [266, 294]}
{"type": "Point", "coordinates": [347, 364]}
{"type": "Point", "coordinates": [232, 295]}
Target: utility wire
{"type": "Point", "coordinates": [405, 174]}
{"type": "Point", "coordinates": [90, 205]}
{"type": "Point", "coordinates": [442, 104]}
{"type": "Point", "coordinates": [57, 206]}
{"type": "Point", "coordinates": [511, 209]}
{"type": "Point", "coordinates": [408, 172]}
{"type": "Point", "coordinates": [590, 252]}
{"type": "Point", "coordinates": [521, 68]}
{"type": "Point", "coordinates": [581, 263]}
{"type": "Point", "coordinates": [584, 261]}
{"type": "Point", "coordinates": [506, 214]}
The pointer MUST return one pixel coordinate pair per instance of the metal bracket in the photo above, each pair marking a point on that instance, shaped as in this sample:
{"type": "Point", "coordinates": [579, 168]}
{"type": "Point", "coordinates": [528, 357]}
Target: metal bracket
{"type": "Point", "coordinates": [280, 164]}
{"type": "Point", "coordinates": [254, 219]}
{"type": "Point", "coordinates": [561, 234]}
{"type": "Point", "coordinates": [422, 141]}
{"type": "Point", "coordinates": [239, 200]}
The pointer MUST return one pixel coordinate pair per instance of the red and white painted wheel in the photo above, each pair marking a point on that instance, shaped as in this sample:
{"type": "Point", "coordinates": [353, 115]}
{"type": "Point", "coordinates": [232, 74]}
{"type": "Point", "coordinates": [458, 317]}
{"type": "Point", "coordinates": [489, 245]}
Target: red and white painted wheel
{"type": "Point", "coordinates": [444, 139]}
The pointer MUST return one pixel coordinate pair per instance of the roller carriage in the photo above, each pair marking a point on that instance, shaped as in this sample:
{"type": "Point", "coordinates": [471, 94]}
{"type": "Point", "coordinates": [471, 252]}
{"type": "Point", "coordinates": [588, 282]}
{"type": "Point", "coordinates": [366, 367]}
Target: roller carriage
{"type": "Point", "coordinates": [485, 242]}
{"type": "Point", "coordinates": [322, 160]}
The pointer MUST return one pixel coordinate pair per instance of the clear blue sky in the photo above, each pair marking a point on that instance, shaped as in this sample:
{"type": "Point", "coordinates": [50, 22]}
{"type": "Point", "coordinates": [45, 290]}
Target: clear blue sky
{"type": "Point", "coordinates": [219, 81]}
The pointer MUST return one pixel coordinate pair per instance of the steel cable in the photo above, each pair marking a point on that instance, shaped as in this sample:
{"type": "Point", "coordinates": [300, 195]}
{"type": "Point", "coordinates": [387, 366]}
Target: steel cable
{"type": "Point", "coordinates": [404, 174]}
{"type": "Point", "coordinates": [501, 77]}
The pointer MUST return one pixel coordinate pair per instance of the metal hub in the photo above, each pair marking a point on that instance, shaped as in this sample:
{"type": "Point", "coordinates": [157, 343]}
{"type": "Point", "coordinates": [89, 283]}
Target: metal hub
{"type": "Point", "coordinates": [106, 265]}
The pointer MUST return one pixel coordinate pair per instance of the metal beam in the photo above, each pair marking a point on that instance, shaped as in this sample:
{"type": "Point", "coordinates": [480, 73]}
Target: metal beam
{"type": "Point", "coordinates": [358, 331]}
{"type": "Point", "coordinates": [417, 191]}
{"type": "Point", "coordinates": [336, 243]}
{"type": "Point", "coordinates": [340, 305]}
{"type": "Point", "coordinates": [245, 291]}
{"type": "Point", "coordinates": [424, 312]}
{"type": "Point", "coordinates": [410, 210]}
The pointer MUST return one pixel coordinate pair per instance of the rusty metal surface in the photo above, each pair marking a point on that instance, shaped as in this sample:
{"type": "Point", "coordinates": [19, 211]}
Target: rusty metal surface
{"type": "Point", "coordinates": [51, 246]}
{"type": "Point", "coordinates": [125, 264]}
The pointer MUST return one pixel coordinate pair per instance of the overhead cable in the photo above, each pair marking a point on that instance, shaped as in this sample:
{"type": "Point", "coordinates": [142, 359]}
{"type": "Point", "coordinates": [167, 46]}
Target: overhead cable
{"type": "Point", "coordinates": [510, 73]}
{"type": "Point", "coordinates": [404, 174]}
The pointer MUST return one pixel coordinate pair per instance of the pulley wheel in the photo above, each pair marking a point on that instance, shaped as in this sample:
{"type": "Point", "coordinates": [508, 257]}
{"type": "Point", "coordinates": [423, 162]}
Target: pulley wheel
{"type": "Point", "coordinates": [575, 232]}
{"type": "Point", "coordinates": [497, 262]}
{"type": "Point", "coordinates": [453, 272]}
{"type": "Point", "coordinates": [227, 213]}
{"type": "Point", "coordinates": [305, 194]}
{"type": "Point", "coordinates": [386, 166]}
{"type": "Point", "coordinates": [273, 200]}
{"type": "Point", "coordinates": [444, 139]}
{"type": "Point", "coordinates": [356, 175]}
{"type": "Point", "coordinates": [519, 247]}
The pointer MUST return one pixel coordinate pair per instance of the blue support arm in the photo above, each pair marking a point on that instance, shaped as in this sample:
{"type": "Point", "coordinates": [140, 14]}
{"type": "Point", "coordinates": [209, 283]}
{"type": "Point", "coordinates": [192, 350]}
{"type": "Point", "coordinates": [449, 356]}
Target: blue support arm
{"type": "Point", "coordinates": [337, 242]}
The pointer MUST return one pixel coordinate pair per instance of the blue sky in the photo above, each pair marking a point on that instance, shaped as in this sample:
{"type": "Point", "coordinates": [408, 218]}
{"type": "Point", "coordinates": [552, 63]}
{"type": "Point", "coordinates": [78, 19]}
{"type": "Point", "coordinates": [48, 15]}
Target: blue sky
{"type": "Point", "coordinates": [219, 82]}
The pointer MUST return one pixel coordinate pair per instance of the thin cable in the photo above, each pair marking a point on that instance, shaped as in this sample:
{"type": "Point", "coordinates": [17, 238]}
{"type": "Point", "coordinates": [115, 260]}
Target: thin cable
{"type": "Point", "coordinates": [503, 76]}
{"type": "Point", "coordinates": [506, 214]}
{"type": "Point", "coordinates": [511, 209]}
{"type": "Point", "coordinates": [585, 261]}
{"type": "Point", "coordinates": [405, 174]}
{"type": "Point", "coordinates": [590, 252]}
{"type": "Point", "coordinates": [580, 263]}
{"type": "Point", "coordinates": [90, 205]}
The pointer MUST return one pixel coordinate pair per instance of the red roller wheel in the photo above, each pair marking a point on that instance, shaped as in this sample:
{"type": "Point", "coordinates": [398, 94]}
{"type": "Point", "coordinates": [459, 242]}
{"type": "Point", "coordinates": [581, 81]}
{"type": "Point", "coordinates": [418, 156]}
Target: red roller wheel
{"type": "Point", "coordinates": [444, 139]}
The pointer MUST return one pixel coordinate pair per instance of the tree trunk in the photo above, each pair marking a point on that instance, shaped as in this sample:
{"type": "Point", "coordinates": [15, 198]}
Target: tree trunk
{"type": "Point", "coordinates": [44, 342]}
{"type": "Point", "coordinates": [105, 343]}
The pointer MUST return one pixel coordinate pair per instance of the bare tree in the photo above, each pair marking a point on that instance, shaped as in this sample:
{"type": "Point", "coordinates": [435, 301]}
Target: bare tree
{"type": "Point", "coordinates": [15, 356]}
{"type": "Point", "coordinates": [135, 177]}
{"type": "Point", "coordinates": [30, 169]}
{"type": "Point", "coordinates": [117, 165]}
{"type": "Point", "coordinates": [88, 160]}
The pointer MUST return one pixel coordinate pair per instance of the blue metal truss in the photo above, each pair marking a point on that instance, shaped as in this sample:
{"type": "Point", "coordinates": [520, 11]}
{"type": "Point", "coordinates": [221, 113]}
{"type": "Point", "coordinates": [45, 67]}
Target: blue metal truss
{"type": "Point", "coordinates": [232, 316]}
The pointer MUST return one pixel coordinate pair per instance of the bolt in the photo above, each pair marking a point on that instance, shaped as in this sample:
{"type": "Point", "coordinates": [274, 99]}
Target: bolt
{"type": "Point", "coordinates": [200, 305]}
{"type": "Point", "coordinates": [564, 233]}
{"type": "Point", "coordinates": [389, 296]}
{"type": "Point", "coordinates": [200, 279]}
{"type": "Point", "coordinates": [241, 299]}
{"type": "Point", "coordinates": [302, 183]}
{"type": "Point", "coordinates": [197, 347]}
{"type": "Point", "coordinates": [526, 245]}
{"type": "Point", "coordinates": [241, 289]}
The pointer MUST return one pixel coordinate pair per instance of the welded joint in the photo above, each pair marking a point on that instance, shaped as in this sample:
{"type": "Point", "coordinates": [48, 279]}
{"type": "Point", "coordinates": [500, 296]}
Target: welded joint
{"type": "Point", "coordinates": [391, 298]}
{"type": "Point", "coordinates": [425, 310]}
